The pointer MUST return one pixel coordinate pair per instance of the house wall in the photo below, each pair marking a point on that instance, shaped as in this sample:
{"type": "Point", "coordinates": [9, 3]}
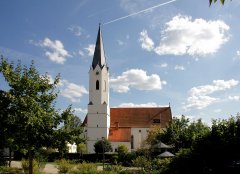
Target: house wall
{"type": "Point", "coordinates": [139, 136]}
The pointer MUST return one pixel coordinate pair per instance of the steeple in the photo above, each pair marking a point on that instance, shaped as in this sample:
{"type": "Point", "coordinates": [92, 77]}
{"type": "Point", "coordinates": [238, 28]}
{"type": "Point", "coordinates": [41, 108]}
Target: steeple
{"type": "Point", "coordinates": [99, 55]}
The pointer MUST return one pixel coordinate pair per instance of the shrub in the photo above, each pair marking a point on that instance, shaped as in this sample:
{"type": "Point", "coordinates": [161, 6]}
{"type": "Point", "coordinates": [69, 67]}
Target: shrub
{"type": "Point", "coordinates": [25, 166]}
{"type": "Point", "coordinates": [10, 170]}
{"type": "Point", "coordinates": [64, 166]}
{"type": "Point", "coordinates": [84, 168]}
{"type": "Point", "coordinates": [143, 163]}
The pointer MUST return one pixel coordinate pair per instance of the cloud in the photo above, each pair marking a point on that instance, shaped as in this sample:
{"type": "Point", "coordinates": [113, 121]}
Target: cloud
{"type": "Point", "coordinates": [132, 105]}
{"type": "Point", "coordinates": [234, 98]}
{"type": "Point", "coordinates": [179, 67]}
{"type": "Point", "coordinates": [199, 98]}
{"type": "Point", "coordinates": [217, 110]}
{"type": "Point", "coordinates": [164, 65]}
{"type": "Point", "coordinates": [120, 43]}
{"type": "Point", "coordinates": [81, 53]}
{"type": "Point", "coordinates": [72, 91]}
{"type": "Point", "coordinates": [80, 110]}
{"type": "Point", "coordinates": [76, 30]}
{"type": "Point", "coordinates": [185, 36]}
{"type": "Point", "coordinates": [238, 53]}
{"type": "Point", "coordinates": [146, 42]}
{"type": "Point", "coordinates": [55, 50]}
{"type": "Point", "coordinates": [90, 49]}
{"type": "Point", "coordinates": [136, 78]}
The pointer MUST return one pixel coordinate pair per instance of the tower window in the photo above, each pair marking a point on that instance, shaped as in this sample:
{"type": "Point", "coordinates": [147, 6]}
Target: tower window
{"type": "Point", "coordinates": [97, 85]}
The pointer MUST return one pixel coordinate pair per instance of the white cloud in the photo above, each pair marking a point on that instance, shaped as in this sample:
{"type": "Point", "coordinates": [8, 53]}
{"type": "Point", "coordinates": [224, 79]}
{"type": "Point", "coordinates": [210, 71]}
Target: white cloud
{"type": "Point", "coordinates": [90, 49]}
{"type": "Point", "coordinates": [146, 42]}
{"type": "Point", "coordinates": [234, 98]}
{"type": "Point", "coordinates": [164, 65]}
{"type": "Point", "coordinates": [183, 35]}
{"type": "Point", "coordinates": [179, 67]}
{"type": "Point", "coordinates": [199, 98]}
{"type": "Point", "coordinates": [238, 53]}
{"type": "Point", "coordinates": [80, 110]}
{"type": "Point", "coordinates": [132, 105]}
{"type": "Point", "coordinates": [217, 110]}
{"type": "Point", "coordinates": [72, 91]}
{"type": "Point", "coordinates": [136, 78]}
{"type": "Point", "coordinates": [120, 42]}
{"type": "Point", "coordinates": [81, 53]}
{"type": "Point", "coordinates": [55, 50]}
{"type": "Point", "coordinates": [76, 30]}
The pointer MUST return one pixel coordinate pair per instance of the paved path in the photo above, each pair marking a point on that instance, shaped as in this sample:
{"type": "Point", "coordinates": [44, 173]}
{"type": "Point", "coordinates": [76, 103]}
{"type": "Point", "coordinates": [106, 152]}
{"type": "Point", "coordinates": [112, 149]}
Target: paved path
{"type": "Point", "coordinates": [49, 168]}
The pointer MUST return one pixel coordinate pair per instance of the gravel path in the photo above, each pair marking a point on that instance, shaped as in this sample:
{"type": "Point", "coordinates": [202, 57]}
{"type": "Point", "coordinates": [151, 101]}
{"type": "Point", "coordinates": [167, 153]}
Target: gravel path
{"type": "Point", "coordinates": [49, 168]}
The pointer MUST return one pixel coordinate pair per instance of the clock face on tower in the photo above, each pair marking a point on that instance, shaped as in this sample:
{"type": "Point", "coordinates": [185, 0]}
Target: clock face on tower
{"type": "Point", "coordinates": [97, 73]}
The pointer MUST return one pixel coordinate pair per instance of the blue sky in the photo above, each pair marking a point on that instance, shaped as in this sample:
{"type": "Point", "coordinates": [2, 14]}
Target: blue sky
{"type": "Point", "coordinates": [184, 53]}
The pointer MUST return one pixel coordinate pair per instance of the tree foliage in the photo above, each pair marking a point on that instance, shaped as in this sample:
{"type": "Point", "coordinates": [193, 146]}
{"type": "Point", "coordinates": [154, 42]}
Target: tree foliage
{"type": "Point", "coordinates": [181, 133]}
{"type": "Point", "coordinates": [216, 152]}
{"type": "Point", "coordinates": [122, 149]}
{"type": "Point", "coordinates": [102, 146]}
{"type": "Point", "coordinates": [28, 116]}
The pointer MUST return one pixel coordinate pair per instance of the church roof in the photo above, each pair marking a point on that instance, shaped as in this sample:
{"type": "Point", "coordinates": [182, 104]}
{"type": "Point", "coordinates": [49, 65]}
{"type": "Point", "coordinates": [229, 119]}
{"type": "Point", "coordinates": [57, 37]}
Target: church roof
{"type": "Point", "coordinates": [123, 119]}
{"type": "Point", "coordinates": [99, 55]}
{"type": "Point", "coordinates": [140, 117]}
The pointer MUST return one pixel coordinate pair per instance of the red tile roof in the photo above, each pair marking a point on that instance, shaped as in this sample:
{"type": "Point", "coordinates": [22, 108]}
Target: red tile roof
{"type": "Point", "coordinates": [140, 117]}
{"type": "Point", "coordinates": [123, 119]}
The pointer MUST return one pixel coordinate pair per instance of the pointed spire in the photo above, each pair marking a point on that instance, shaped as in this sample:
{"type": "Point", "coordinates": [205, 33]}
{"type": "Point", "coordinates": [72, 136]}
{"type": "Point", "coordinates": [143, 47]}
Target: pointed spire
{"type": "Point", "coordinates": [99, 55]}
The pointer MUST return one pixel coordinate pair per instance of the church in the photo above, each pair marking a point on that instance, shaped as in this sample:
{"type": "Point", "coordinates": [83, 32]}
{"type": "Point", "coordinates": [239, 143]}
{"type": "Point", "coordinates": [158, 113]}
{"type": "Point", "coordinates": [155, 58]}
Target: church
{"type": "Point", "coordinates": [128, 126]}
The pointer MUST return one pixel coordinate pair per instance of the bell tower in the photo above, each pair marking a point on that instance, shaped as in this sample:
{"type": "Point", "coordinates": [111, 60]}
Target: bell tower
{"type": "Point", "coordinates": [98, 117]}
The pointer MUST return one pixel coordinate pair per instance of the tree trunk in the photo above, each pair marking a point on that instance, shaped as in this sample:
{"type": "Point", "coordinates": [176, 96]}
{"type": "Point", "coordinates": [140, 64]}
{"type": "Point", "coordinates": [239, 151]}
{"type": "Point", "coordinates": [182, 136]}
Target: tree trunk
{"type": "Point", "coordinates": [10, 157]}
{"type": "Point", "coordinates": [30, 167]}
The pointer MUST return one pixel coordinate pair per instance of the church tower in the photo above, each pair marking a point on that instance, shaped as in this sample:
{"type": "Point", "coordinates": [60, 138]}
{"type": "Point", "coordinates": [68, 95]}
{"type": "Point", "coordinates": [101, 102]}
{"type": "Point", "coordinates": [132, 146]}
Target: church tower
{"type": "Point", "coordinates": [98, 117]}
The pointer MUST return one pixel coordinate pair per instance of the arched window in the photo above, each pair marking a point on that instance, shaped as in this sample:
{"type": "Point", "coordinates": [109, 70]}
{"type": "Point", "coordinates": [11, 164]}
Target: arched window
{"type": "Point", "coordinates": [97, 85]}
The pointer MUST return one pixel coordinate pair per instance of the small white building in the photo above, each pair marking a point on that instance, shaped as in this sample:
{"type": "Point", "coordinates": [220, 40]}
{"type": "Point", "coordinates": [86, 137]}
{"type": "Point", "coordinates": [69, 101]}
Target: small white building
{"type": "Point", "coordinates": [127, 126]}
{"type": "Point", "coordinates": [72, 148]}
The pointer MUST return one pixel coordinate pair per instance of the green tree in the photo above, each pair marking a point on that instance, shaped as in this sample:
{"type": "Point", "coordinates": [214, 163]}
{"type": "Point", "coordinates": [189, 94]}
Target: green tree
{"type": "Point", "coordinates": [81, 148]}
{"type": "Point", "coordinates": [30, 110]}
{"type": "Point", "coordinates": [152, 135]}
{"type": "Point", "coordinates": [183, 134]}
{"type": "Point", "coordinates": [122, 149]}
{"type": "Point", "coordinates": [70, 132]}
{"type": "Point", "coordinates": [102, 146]}
{"type": "Point", "coordinates": [215, 152]}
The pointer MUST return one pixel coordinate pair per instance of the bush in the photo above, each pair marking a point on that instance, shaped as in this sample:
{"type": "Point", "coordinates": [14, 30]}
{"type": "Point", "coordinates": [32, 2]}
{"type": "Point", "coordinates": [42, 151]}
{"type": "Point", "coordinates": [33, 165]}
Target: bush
{"type": "Point", "coordinates": [10, 170]}
{"type": "Point", "coordinates": [85, 168]}
{"type": "Point", "coordinates": [25, 166]}
{"type": "Point", "coordinates": [64, 166]}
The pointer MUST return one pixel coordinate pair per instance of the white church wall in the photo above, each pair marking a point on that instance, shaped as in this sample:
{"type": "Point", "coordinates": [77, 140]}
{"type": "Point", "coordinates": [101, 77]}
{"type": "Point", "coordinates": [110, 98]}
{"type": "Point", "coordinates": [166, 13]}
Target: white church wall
{"type": "Point", "coordinates": [139, 135]}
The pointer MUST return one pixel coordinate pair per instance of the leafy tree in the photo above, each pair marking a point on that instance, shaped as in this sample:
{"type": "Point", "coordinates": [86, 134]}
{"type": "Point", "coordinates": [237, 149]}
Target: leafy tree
{"type": "Point", "coordinates": [215, 152]}
{"type": "Point", "coordinates": [102, 146]}
{"type": "Point", "coordinates": [81, 148]}
{"type": "Point", "coordinates": [70, 132]}
{"type": "Point", "coordinates": [122, 149]}
{"type": "Point", "coordinates": [29, 110]}
{"type": "Point", "coordinates": [183, 134]}
{"type": "Point", "coordinates": [152, 135]}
